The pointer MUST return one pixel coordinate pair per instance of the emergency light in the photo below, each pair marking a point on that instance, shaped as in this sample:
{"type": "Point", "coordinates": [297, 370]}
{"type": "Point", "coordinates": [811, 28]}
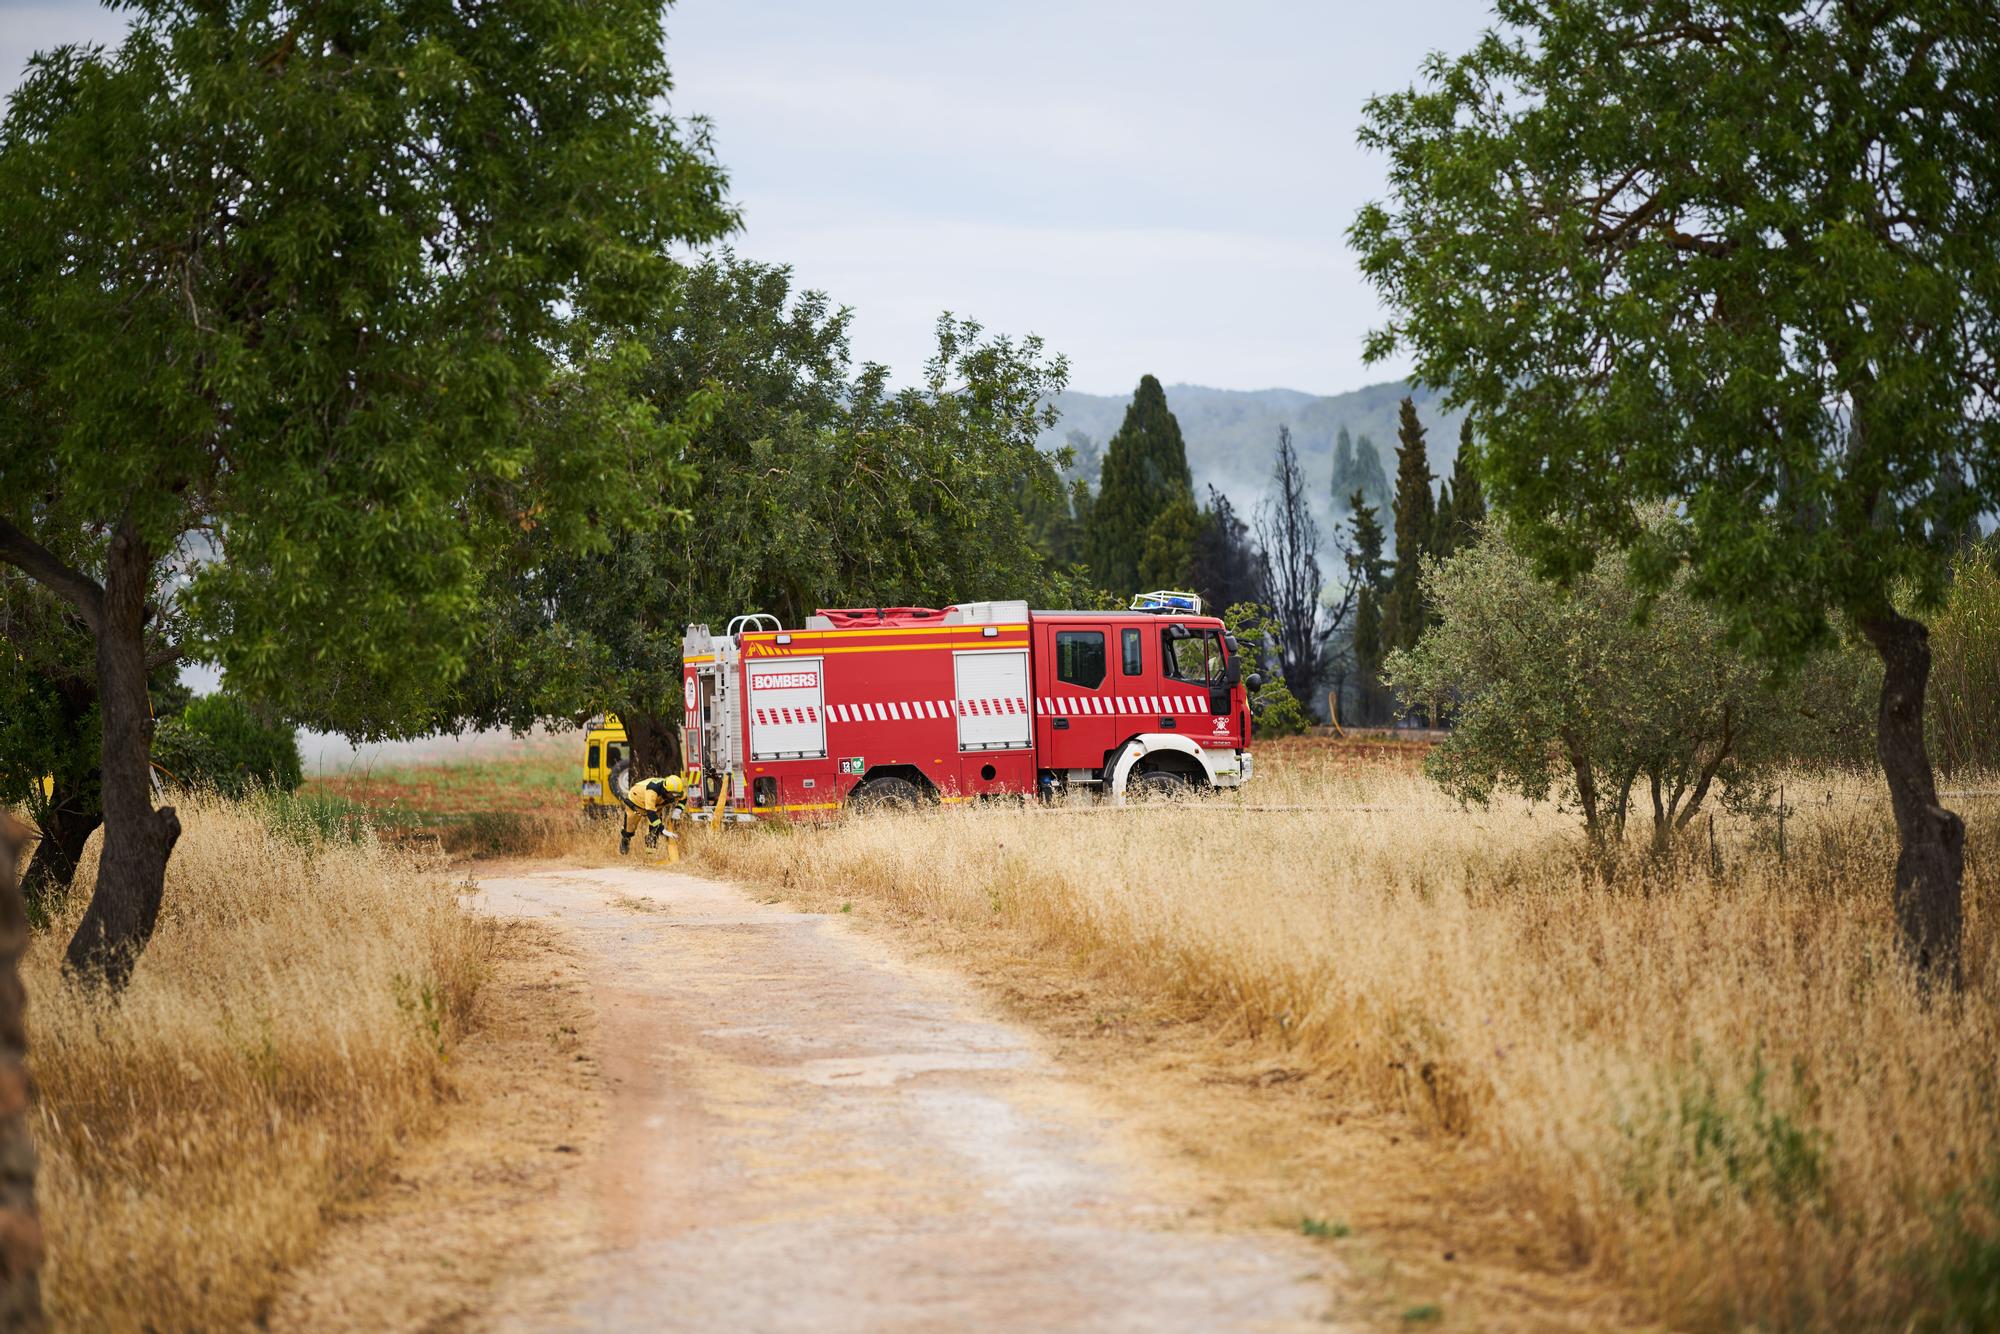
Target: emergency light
{"type": "Point", "coordinates": [1167, 600]}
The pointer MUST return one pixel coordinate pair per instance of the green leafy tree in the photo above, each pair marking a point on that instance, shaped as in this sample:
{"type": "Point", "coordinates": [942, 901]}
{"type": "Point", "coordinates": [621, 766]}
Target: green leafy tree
{"type": "Point", "coordinates": [1404, 615]}
{"type": "Point", "coordinates": [812, 486]}
{"type": "Point", "coordinates": [284, 288]}
{"type": "Point", "coordinates": [1567, 693]}
{"type": "Point", "coordinates": [1276, 709]}
{"type": "Point", "coordinates": [224, 742]}
{"type": "Point", "coordinates": [1738, 258]}
{"type": "Point", "coordinates": [1145, 471]}
{"type": "Point", "coordinates": [1167, 560]}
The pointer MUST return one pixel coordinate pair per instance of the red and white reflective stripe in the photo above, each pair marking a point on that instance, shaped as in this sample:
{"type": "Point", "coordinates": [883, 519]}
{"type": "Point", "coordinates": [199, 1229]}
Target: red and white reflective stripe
{"type": "Point", "coordinates": [989, 706]}
{"type": "Point", "coordinates": [1065, 706]}
{"type": "Point", "coordinates": [782, 716]}
{"type": "Point", "coordinates": [917, 710]}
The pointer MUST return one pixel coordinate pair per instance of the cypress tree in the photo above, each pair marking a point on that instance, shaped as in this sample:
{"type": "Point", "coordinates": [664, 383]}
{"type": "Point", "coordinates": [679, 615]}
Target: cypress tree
{"type": "Point", "coordinates": [1145, 472]}
{"type": "Point", "coordinates": [1373, 578]}
{"type": "Point", "coordinates": [1343, 467]}
{"type": "Point", "coordinates": [1416, 522]}
{"type": "Point", "coordinates": [1444, 528]}
{"type": "Point", "coordinates": [1369, 478]}
{"type": "Point", "coordinates": [1369, 540]}
{"type": "Point", "coordinates": [1469, 504]}
{"type": "Point", "coordinates": [1166, 560]}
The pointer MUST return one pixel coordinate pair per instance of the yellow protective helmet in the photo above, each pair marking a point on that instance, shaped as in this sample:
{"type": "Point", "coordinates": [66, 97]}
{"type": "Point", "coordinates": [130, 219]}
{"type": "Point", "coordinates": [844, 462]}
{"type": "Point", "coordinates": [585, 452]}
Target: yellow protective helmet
{"type": "Point", "coordinates": [675, 784]}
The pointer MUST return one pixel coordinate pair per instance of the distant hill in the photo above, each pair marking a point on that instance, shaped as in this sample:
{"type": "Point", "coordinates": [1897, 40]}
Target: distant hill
{"type": "Point", "coordinates": [1231, 433]}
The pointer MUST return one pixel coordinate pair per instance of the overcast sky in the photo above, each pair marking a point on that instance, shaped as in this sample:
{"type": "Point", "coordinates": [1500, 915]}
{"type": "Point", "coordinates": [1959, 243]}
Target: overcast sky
{"type": "Point", "coordinates": [1153, 187]}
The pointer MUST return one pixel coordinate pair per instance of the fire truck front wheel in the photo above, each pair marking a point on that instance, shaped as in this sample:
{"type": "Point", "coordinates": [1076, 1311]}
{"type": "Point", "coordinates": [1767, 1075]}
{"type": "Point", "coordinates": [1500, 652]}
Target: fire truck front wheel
{"type": "Point", "coordinates": [887, 792]}
{"type": "Point", "coordinates": [1148, 784]}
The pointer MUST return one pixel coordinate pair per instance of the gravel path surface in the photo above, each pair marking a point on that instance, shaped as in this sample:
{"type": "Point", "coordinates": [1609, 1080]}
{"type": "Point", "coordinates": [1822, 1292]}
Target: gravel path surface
{"type": "Point", "coordinates": [808, 1131]}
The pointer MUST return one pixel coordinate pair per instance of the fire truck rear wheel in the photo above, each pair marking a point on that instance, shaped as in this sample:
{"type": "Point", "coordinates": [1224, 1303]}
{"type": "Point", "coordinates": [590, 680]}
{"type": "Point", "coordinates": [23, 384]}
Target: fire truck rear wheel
{"type": "Point", "coordinates": [1151, 783]}
{"type": "Point", "coordinates": [886, 793]}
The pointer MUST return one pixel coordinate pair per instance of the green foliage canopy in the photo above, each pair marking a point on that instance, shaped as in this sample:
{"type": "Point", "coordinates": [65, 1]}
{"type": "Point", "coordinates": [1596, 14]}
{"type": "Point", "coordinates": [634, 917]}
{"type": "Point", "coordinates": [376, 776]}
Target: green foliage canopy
{"type": "Point", "coordinates": [1734, 256]}
{"type": "Point", "coordinates": [285, 292]}
{"type": "Point", "coordinates": [812, 485]}
{"type": "Point", "coordinates": [1145, 472]}
{"type": "Point", "coordinates": [1258, 637]}
{"type": "Point", "coordinates": [221, 741]}
{"type": "Point", "coordinates": [309, 269]}
{"type": "Point", "coordinates": [1564, 693]}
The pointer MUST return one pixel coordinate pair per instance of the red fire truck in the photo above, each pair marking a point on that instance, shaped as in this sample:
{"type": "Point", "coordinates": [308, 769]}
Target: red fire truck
{"type": "Point", "coordinates": [902, 704]}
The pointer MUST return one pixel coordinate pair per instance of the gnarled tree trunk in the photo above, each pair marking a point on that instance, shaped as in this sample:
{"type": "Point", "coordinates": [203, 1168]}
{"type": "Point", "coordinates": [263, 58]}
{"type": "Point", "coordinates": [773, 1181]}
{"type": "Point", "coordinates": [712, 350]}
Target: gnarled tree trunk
{"type": "Point", "coordinates": [132, 868]}
{"type": "Point", "coordinates": [20, 1225]}
{"type": "Point", "coordinates": [1930, 869]}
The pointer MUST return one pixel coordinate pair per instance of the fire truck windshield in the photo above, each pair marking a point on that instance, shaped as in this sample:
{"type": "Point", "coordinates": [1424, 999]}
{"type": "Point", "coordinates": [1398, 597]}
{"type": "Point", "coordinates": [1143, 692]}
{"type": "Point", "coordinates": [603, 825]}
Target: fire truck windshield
{"type": "Point", "coordinates": [1194, 657]}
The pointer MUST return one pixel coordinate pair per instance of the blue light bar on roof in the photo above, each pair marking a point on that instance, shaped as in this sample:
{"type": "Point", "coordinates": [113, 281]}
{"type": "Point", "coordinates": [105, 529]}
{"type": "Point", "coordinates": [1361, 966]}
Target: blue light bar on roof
{"type": "Point", "coordinates": [1167, 600]}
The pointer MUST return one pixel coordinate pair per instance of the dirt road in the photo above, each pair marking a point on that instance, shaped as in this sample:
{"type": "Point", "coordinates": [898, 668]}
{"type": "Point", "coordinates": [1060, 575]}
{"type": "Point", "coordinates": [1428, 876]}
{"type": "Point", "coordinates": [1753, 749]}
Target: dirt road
{"type": "Point", "coordinates": [807, 1131]}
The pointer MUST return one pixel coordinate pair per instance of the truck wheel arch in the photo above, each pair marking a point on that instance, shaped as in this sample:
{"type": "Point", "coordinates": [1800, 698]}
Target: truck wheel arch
{"type": "Point", "coordinates": [908, 773]}
{"type": "Point", "coordinates": [1163, 750]}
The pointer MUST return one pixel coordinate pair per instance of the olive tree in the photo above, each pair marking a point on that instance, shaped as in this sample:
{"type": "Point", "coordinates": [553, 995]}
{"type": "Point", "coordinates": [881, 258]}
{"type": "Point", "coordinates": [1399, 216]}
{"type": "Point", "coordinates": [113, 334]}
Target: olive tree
{"type": "Point", "coordinates": [1566, 693]}
{"type": "Point", "coordinates": [1735, 256]}
{"type": "Point", "coordinates": [282, 287]}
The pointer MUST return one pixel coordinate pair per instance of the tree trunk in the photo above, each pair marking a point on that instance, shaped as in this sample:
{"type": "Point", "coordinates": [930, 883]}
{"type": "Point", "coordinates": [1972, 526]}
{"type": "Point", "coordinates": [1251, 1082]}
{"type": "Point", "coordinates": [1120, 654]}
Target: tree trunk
{"type": "Point", "coordinates": [1586, 791]}
{"type": "Point", "coordinates": [73, 815]}
{"type": "Point", "coordinates": [132, 868]}
{"type": "Point", "coordinates": [656, 744]}
{"type": "Point", "coordinates": [20, 1226]}
{"type": "Point", "coordinates": [1930, 870]}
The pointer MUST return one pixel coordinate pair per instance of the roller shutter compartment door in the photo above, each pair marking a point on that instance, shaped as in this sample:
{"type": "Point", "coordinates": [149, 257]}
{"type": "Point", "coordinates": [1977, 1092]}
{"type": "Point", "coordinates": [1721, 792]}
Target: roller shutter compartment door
{"type": "Point", "coordinates": [994, 712]}
{"type": "Point", "coordinates": [787, 710]}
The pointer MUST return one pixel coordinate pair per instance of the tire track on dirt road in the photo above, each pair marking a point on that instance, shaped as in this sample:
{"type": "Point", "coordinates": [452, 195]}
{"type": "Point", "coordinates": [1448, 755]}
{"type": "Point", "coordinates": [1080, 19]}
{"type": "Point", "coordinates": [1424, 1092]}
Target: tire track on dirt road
{"type": "Point", "coordinates": [807, 1131]}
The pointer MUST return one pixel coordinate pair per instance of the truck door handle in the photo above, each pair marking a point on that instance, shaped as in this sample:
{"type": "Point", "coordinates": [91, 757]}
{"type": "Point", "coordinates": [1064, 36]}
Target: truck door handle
{"type": "Point", "coordinates": [1060, 724]}
{"type": "Point", "coordinates": [1170, 722]}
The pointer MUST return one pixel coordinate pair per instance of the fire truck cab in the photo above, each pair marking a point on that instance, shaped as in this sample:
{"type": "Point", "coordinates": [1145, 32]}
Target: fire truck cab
{"type": "Point", "coordinates": [899, 704]}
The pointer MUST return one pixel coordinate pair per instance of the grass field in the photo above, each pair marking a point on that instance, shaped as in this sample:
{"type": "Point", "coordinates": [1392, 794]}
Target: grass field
{"type": "Point", "coordinates": [522, 799]}
{"type": "Point", "coordinates": [1710, 1076]}
{"type": "Point", "coordinates": [287, 1029]}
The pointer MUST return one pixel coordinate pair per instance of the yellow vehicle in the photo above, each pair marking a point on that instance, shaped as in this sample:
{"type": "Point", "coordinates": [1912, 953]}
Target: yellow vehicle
{"type": "Point", "coordinates": [604, 749]}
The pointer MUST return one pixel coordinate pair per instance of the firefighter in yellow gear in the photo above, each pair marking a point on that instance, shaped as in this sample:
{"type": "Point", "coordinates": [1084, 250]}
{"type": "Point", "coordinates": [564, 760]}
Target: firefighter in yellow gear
{"type": "Point", "coordinates": [648, 801]}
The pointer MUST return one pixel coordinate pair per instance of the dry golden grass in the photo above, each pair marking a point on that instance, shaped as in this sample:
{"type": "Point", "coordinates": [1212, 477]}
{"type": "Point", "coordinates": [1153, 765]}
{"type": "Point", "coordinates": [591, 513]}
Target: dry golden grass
{"type": "Point", "coordinates": [1715, 1075]}
{"type": "Point", "coordinates": [289, 1024]}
